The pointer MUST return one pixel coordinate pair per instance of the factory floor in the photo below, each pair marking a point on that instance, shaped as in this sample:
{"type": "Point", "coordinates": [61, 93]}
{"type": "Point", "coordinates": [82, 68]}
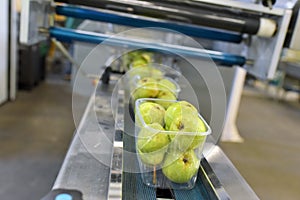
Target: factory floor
{"type": "Point", "coordinates": [269, 156]}
{"type": "Point", "coordinates": [36, 129]}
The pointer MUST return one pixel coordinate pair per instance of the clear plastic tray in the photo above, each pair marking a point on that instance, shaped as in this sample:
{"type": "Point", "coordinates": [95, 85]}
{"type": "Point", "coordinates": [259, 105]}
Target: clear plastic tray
{"type": "Point", "coordinates": [173, 158]}
{"type": "Point", "coordinates": [155, 87]}
{"type": "Point", "coordinates": [153, 90]}
{"type": "Point", "coordinates": [153, 71]}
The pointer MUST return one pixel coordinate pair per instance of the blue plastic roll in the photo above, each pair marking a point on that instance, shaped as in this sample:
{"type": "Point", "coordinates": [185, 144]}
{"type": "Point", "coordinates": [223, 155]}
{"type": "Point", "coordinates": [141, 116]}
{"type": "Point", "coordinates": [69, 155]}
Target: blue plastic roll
{"type": "Point", "coordinates": [187, 29]}
{"type": "Point", "coordinates": [70, 35]}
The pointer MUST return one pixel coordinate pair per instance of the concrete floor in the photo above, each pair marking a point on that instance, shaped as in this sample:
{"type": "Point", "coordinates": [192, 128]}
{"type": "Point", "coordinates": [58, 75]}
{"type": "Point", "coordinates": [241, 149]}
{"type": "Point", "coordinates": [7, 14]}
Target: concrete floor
{"type": "Point", "coordinates": [36, 129]}
{"type": "Point", "coordinates": [269, 157]}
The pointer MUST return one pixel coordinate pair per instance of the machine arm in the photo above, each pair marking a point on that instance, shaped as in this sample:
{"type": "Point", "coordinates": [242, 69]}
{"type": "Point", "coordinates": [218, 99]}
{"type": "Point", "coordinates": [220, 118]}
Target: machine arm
{"type": "Point", "coordinates": [186, 14]}
{"type": "Point", "coordinates": [69, 35]}
{"type": "Point", "coordinates": [127, 20]}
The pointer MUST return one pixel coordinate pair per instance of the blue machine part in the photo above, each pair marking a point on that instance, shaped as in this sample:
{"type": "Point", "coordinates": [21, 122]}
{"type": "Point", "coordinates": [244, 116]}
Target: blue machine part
{"type": "Point", "coordinates": [70, 35]}
{"type": "Point", "coordinates": [109, 17]}
{"type": "Point", "coordinates": [63, 197]}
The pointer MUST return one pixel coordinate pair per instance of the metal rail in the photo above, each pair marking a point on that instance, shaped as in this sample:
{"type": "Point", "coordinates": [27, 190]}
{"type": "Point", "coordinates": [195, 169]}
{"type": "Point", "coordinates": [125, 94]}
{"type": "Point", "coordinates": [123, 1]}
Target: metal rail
{"type": "Point", "coordinates": [140, 21]}
{"type": "Point", "coordinates": [69, 35]}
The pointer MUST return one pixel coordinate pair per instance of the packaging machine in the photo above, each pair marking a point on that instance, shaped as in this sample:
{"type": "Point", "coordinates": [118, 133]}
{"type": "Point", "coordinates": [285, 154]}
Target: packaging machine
{"type": "Point", "coordinates": [235, 36]}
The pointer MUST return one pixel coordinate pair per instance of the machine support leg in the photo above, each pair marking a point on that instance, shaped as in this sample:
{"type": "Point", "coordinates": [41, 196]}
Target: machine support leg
{"type": "Point", "coordinates": [230, 131]}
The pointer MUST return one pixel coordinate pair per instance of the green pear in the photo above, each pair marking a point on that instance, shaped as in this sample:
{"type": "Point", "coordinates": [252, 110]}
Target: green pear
{"type": "Point", "coordinates": [155, 73]}
{"type": "Point", "coordinates": [177, 109]}
{"type": "Point", "coordinates": [134, 54]}
{"type": "Point", "coordinates": [143, 71]}
{"type": "Point", "coordinates": [138, 63]}
{"type": "Point", "coordinates": [183, 127]}
{"type": "Point", "coordinates": [147, 56]}
{"type": "Point", "coordinates": [166, 85]}
{"type": "Point", "coordinates": [180, 168]}
{"type": "Point", "coordinates": [152, 112]}
{"type": "Point", "coordinates": [199, 139]}
{"type": "Point", "coordinates": [152, 158]}
{"type": "Point", "coordinates": [146, 88]}
{"type": "Point", "coordinates": [166, 95]}
{"type": "Point", "coordinates": [188, 131]}
{"type": "Point", "coordinates": [151, 138]}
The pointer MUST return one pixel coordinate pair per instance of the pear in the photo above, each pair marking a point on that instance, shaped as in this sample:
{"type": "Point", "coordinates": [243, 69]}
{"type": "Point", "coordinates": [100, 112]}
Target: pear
{"type": "Point", "coordinates": [166, 95]}
{"type": "Point", "coordinates": [190, 140]}
{"type": "Point", "coordinates": [138, 63]}
{"type": "Point", "coordinates": [152, 112]}
{"type": "Point", "coordinates": [144, 70]}
{"type": "Point", "coordinates": [166, 85]}
{"type": "Point", "coordinates": [180, 167]}
{"type": "Point", "coordinates": [147, 56]}
{"type": "Point", "coordinates": [146, 88]}
{"type": "Point", "coordinates": [178, 109]}
{"type": "Point", "coordinates": [152, 158]}
{"type": "Point", "coordinates": [199, 139]}
{"type": "Point", "coordinates": [184, 123]}
{"type": "Point", "coordinates": [151, 138]}
{"type": "Point", "coordinates": [134, 54]}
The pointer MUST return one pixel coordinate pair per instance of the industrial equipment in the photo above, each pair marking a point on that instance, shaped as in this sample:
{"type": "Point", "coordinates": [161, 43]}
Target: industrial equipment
{"type": "Point", "coordinates": [238, 36]}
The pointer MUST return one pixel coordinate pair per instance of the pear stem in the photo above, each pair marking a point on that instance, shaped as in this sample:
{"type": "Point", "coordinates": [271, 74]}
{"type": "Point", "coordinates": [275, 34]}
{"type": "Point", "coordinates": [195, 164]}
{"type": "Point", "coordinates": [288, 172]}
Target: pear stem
{"type": "Point", "coordinates": [154, 175]}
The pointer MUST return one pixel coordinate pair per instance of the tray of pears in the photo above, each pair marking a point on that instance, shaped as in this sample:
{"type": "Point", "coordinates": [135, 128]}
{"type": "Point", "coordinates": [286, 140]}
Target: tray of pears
{"type": "Point", "coordinates": [169, 138]}
{"type": "Point", "coordinates": [153, 81]}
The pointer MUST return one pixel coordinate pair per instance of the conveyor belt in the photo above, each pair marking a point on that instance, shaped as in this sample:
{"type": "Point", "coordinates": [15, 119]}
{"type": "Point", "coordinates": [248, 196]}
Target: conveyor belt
{"type": "Point", "coordinates": [81, 171]}
{"type": "Point", "coordinates": [133, 187]}
{"type": "Point", "coordinates": [136, 189]}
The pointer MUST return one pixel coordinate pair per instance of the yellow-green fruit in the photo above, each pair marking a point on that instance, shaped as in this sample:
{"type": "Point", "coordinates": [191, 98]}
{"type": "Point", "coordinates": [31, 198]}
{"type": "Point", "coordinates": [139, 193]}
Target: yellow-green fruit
{"type": "Point", "coordinates": [177, 109]}
{"type": "Point", "coordinates": [199, 139]}
{"type": "Point", "coordinates": [183, 123]}
{"type": "Point", "coordinates": [151, 138]}
{"type": "Point", "coordinates": [180, 168]}
{"type": "Point", "coordinates": [134, 54]}
{"type": "Point", "coordinates": [146, 88]}
{"type": "Point", "coordinates": [152, 113]}
{"type": "Point", "coordinates": [155, 73]}
{"type": "Point", "coordinates": [145, 71]}
{"type": "Point", "coordinates": [147, 57]}
{"type": "Point", "coordinates": [166, 95]}
{"type": "Point", "coordinates": [138, 63]}
{"type": "Point", "coordinates": [166, 85]}
{"type": "Point", "coordinates": [189, 131]}
{"type": "Point", "coordinates": [152, 158]}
